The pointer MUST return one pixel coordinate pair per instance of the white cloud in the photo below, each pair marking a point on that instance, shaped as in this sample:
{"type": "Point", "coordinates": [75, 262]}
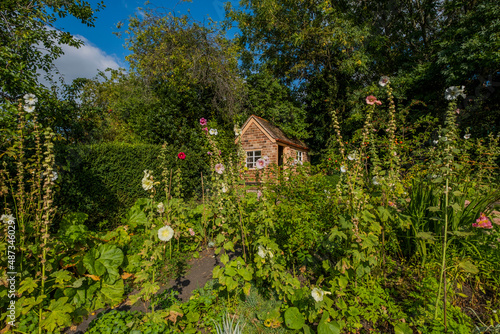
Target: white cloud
{"type": "Point", "coordinates": [83, 62]}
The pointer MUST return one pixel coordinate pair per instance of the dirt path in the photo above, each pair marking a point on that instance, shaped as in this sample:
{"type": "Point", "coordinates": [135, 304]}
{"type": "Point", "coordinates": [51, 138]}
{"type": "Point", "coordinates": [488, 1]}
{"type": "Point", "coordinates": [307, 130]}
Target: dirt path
{"type": "Point", "coordinates": [198, 274]}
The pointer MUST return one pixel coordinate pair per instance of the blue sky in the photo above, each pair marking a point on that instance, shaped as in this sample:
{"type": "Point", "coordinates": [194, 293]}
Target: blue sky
{"type": "Point", "coordinates": [103, 49]}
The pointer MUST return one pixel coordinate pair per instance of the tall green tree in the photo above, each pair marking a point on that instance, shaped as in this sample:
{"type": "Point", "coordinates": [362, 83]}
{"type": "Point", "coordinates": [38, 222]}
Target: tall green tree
{"type": "Point", "coordinates": [179, 55]}
{"type": "Point", "coordinates": [30, 40]}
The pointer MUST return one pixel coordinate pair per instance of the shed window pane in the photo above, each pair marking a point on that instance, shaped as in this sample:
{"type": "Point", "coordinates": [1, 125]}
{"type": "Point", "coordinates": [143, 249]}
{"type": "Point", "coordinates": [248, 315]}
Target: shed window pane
{"type": "Point", "coordinates": [252, 157]}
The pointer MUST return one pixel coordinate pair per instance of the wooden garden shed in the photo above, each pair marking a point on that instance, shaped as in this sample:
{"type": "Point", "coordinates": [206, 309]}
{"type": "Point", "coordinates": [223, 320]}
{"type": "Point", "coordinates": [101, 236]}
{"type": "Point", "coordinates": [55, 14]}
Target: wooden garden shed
{"type": "Point", "coordinates": [260, 138]}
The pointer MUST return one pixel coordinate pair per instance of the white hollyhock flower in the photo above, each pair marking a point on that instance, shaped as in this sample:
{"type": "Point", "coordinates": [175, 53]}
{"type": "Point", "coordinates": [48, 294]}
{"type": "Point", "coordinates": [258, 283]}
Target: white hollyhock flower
{"type": "Point", "coordinates": [352, 156]}
{"type": "Point", "coordinates": [383, 81]}
{"type": "Point", "coordinates": [147, 182]}
{"type": "Point", "coordinates": [224, 188]}
{"type": "Point", "coordinates": [343, 169]}
{"type": "Point", "coordinates": [165, 233]}
{"type": "Point", "coordinates": [318, 294]}
{"type": "Point", "coordinates": [467, 136]}
{"type": "Point", "coordinates": [375, 181]}
{"type": "Point", "coordinates": [30, 99]}
{"type": "Point", "coordinates": [453, 92]}
{"type": "Point", "coordinates": [54, 176]}
{"type": "Point", "coordinates": [161, 208]}
{"type": "Point", "coordinates": [213, 132]}
{"type": "Point", "coordinates": [261, 252]}
{"type": "Point", "coordinates": [237, 131]}
{"type": "Point", "coordinates": [28, 108]}
{"type": "Point", "coordinates": [7, 218]}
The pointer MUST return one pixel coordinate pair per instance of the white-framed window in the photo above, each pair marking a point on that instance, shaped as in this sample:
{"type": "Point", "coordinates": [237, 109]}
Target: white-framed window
{"type": "Point", "coordinates": [252, 157]}
{"type": "Point", "coordinates": [300, 156]}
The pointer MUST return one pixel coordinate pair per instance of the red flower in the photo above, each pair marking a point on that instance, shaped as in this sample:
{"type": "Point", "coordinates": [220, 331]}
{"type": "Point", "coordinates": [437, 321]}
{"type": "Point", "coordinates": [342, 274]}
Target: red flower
{"type": "Point", "coordinates": [181, 156]}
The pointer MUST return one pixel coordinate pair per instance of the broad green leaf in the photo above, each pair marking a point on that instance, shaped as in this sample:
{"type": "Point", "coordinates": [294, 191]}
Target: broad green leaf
{"type": "Point", "coordinates": [326, 327]}
{"type": "Point", "coordinates": [58, 314]}
{"type": "Point", "coordinates": [245, 273]}
{"type": "Point", "coordinates": [61, 277]}
{"type": "Point", "coordinates": [230, 271]}
{"type": "Point", "coordinates": [468, 266]}
{"type": "Point", "coordinates": [104, 261]}
{"type": "Point", "coordinates": [28, 284]}
{"type": "Point", "coordinates": [231, 284]}
{"type": "Point", "coordinates": [425, 236]}
{"type": "Point", "coordinates": [112, 294]}
{"type": "Point", "coordinates": [402, 328]}
{"type": "Point", "coordinates": [293, 318]}
{"type": "Point", "coordinates": [224, 258]}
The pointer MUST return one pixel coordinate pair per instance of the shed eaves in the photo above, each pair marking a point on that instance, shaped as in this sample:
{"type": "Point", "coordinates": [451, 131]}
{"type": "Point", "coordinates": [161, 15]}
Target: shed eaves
{"type": "Point", "coordinates": [276, 133]}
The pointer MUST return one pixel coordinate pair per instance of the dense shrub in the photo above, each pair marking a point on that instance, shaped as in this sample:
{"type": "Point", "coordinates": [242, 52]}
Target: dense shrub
{"type": "Point", "coordinates": [104, 180]}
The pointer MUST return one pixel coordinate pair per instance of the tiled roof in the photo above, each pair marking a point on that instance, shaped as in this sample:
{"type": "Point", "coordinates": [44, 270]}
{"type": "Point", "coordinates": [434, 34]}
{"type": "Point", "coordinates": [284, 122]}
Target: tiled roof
{"type": "Point", "coordinates": [276, 133]}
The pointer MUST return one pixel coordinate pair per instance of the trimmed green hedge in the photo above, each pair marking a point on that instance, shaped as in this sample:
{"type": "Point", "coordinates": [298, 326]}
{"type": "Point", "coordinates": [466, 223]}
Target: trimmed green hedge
{"type": "Point", "coordinates": [104, 180]}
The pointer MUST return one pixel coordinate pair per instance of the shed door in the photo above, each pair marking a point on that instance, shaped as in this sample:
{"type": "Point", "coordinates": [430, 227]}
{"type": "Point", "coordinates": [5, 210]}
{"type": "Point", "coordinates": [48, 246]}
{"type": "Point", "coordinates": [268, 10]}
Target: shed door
{"type": "Point", "coordinates": [280, 155]}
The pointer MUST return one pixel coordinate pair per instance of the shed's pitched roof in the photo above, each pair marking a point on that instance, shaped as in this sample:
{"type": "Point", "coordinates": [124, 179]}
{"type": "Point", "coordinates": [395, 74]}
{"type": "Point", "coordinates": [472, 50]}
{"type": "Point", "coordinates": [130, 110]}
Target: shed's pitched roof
{"type": "Point", "coordinates": [275, 132]}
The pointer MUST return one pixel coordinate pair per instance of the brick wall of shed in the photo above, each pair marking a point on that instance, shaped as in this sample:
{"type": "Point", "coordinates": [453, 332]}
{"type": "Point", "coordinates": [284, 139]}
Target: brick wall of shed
{"type": "Point", "coordinates": [255, 140]}
{"type": "Point", "coordinates": [291, 153]}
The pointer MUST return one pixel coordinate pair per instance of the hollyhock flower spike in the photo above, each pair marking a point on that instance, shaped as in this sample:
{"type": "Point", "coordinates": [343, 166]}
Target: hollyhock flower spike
{"type": "Point", "coordinates": [384, 80]}
{"type": "Point", "coordinates": [370, 99]}
{"type": "Point", "coordinates": [181, 155]}
{"type": "Point", "coordinates": [203, 121]}
{"type": "Point", "coordinates": [219, 168]}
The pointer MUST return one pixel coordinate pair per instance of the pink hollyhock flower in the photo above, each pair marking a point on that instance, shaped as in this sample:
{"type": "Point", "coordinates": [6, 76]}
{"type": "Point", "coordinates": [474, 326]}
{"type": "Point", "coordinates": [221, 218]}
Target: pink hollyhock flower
{"type": "Point", "coordinates": [203, 121]}
{"type": "Point", "coordinates": [191, 232]}
{"type": "Point", "coordinates": [259, 194]}
{"type": "Point", "coordinates": [370, 99]}
{"type": "Point", "coordinates": [209, 153]}
{"type": "Point", "coordinates": [482, 222]}
{"type": "Point", "coordinates": [219, 168]}
{"type": "Point", "coordinates": [261, 163]}
{"type": "Point", "coordinates": [378, 103]}
{"type": "Point", "coordinates": [181, 155]}
{"type": "Point", "coordinates": [205, 129]}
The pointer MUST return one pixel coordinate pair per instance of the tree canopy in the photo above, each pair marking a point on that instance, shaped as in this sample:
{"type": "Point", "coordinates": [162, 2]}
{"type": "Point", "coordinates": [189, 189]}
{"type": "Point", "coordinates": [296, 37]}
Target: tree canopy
{"type": "Point", "coordinates": [29, 40]}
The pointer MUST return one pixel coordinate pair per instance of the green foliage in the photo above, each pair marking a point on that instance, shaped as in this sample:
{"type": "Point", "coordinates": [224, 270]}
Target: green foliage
{"type": "Point", "coordinates": [25, 26]}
